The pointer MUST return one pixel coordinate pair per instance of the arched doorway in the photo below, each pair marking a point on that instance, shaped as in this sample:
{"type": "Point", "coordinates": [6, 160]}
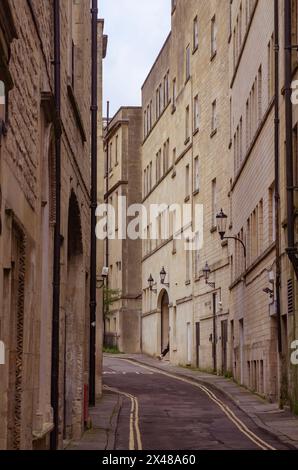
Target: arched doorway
{"type": "Point", "coordinates": [165, 320]}
{"type": "Point", "coordinates": [74, 325]}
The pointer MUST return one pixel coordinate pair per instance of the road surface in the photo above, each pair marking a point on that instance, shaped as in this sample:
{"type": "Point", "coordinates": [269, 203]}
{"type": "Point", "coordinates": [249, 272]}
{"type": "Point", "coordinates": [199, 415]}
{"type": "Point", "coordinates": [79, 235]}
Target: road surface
{"type": "Point", "coordinates": [163, 412]}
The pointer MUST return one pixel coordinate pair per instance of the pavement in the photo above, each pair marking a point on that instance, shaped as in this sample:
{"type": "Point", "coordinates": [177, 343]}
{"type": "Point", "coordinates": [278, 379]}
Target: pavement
{"type": "Point", "coordinates": [281, 424]}
{"type": "Point", "coordinates": [104, 418]}
{"type": "Point", "coordinates": [152, 404]}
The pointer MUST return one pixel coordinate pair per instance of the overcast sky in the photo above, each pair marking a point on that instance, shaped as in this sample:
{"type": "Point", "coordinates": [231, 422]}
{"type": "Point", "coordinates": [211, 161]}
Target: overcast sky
{"type": "Point", "coordinates": [137, 30]}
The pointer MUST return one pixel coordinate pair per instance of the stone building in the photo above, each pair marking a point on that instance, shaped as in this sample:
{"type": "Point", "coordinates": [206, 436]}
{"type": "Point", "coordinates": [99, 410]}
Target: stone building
{"type": "Point", "coordinates": [123, 139]}
{"type": "Point", "coordinates": [186, 125]}
{"type": "Point", "coordinates": [29, 129]}
{"type": "Point", "coordinates": [254, 349]}
{"type": "Point", "coordinates": [213, 136]}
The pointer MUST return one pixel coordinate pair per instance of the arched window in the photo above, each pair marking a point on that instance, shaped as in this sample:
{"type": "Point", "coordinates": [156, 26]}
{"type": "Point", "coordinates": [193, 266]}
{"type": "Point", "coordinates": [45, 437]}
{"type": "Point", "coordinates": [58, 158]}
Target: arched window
{"type": "Point", "coordinates": [2, 101]}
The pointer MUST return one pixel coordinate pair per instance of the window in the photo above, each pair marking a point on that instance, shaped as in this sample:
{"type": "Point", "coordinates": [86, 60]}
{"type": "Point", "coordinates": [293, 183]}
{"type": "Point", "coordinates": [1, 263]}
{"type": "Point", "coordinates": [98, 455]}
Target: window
{"type": "Point", "coordinates": [196, 175]}
{"type": "Point", "coordinates": [3, 115]}
{"type": "Point", "coordinates": [271, 217]}
{"type": "Point", "coordinates": [261, 226]}
{"type": "Point", "coordinates": [150, 176]}
{"type": "Point", "coordinates": [195, 33]}
{"type": "Point", "coordinates": [161, 99]}
{"type": "Point", "coordinates": [157, 103]}
{"type": "Point", "coordinates": [174, 92]}
{"type": "Point", "coordinates": [158, 166]}
{"type": "Point", "coordinates": [187, 261]}
{"type": "Point", "coordinates": [214, 117]}
{"type": "Point", "coordinates": [213, 36]}
{"type": "Point", "coordinates": [151, 115]}
{"type": "Point", "coordinates": [196, 113]}
{"type": "Point", "coordinates": [145, 183]}
{"type": "Point", "coordinates": [145, 124]}
{"type": "Point", "coordinates": [116, 150]}
{"type": "Point", "coordinates": [260, 95]}
{"type": "Point", "coordinates": [214, 202]}
{"type": "Point", "coordinates": [174, 156]}
{"type": "Point", "coordinates": [197, 254]}
{"type": "Point", "coordinates": [166, 90]}
{"type": "Point", "coordinates": [187, 182]}
{"type": "Point", "coordinates": [187, 136]}
{"type": "Point", "coordinates": [270, 69]}
{"type": "Point", "coordinates": [111, 156]}
{"type": "Point", "coordinates": [166, 148]}
{"type": "Point", "coordinates": [187, 63]}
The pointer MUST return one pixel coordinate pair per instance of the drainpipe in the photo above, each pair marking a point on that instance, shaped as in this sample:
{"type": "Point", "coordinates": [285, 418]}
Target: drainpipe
{"type": "Point", "coordinates": [94, 108]}
{"type": "Point", "coordinates": [291, 250]}
{"type": "Point", "coordinates": [57, 235]}
{"type": "Point", "coordinates": [106, 307]}
{"type": "Point", "coordinates": [277, 172]}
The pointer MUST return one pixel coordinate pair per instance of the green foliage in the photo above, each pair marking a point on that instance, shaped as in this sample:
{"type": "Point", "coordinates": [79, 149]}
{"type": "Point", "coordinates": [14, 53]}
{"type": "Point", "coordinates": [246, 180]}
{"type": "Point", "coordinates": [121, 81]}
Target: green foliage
{"type": "Point", "coordinates": [110, 296]}
{"type": "Point", "coordinates": [111, 350]}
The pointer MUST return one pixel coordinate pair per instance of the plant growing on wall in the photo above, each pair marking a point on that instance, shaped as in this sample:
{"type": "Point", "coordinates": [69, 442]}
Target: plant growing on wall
{"type": "Point", "coordinates": [109, 297]}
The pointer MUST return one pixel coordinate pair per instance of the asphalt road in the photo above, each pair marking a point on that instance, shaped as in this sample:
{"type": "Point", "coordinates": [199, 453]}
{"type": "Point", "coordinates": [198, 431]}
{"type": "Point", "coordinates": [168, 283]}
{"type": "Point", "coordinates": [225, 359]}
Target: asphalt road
{"type": "Point", "coordinates": [161, 412]}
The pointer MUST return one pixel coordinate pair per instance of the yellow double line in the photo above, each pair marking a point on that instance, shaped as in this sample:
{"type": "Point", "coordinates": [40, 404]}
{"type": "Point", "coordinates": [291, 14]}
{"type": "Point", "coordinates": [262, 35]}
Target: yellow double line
{"type": "Point", "coordinates": [135, 441]}
{"type": "Point", "coordinates": [228, 412]}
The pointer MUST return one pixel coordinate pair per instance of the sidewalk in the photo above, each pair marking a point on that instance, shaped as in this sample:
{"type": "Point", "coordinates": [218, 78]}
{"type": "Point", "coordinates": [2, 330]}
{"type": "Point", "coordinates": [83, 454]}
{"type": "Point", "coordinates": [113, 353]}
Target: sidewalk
{"type": "Point", "coordinates": [104, 419]}
{"type": "Point", "coordinates": [279, 423]}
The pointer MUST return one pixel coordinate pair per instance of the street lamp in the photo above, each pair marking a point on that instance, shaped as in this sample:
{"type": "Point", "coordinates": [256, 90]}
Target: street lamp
{"type": "Point", "coordinates": [151, 284]}
{"type": "Point", "coordinates": [206, 272]}
{"type": "Point", "coordinates": [163, 275]}
{"type": "Point", "coordinates": [222, 220]}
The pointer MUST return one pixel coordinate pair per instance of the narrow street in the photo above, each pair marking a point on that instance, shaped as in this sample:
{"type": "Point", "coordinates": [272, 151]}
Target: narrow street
{"type": "Point", "coordinates": [164, 412]}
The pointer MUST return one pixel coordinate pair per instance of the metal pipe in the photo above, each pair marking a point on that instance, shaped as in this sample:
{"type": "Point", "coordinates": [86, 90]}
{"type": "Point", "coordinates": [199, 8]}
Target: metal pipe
{"type": "Point", "coordinates": [57, 235]}
{"type": "Point", "coordinates": [277, 171]}
{"type": "Point", "coordinates": [291, 251]}
{"type": "Point", "coordinates": [107, 254]}
{"type": "Point", "coordinates": [93, 253]}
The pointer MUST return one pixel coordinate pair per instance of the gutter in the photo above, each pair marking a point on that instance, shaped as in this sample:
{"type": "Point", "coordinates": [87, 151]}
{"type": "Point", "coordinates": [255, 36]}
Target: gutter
{"type": "Point", "coordinates": [291, 249]}
{"type": "Point", "coordinates": [277, 171]}
{"type": "Point", "coordinates": [93, 245]}
{"type": "Point", "coordinates": [57, 235]}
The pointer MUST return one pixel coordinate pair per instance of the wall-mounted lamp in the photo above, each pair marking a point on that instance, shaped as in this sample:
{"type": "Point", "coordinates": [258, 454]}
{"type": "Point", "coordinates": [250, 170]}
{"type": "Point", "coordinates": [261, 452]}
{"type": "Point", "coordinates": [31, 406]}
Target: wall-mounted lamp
{"type": "Point", "coordinates": [152, 284]}
{"type": "Point", "coordinates": [222, 220]}
{"type": "Point", "coordinates": [207, 272]}
{"type": "Point", "coordinates": [163, 275]}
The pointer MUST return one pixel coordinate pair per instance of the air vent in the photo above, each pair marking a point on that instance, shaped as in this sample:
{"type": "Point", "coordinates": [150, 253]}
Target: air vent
{"type": "Point", "coordinates": [290, 297]}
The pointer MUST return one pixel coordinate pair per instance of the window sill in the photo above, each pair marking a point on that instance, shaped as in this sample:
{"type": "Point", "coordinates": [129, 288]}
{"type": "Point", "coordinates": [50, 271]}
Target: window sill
{"type": "Point", "coordinates": [187, 283]}
{"type": "Point", "coordinates": [196, 131]}
{"type": "Point", "coordinates": [213, 229]}
{"type": "Point", "coordinates": [195, 49]}
{"type": "Point", "coordinates": [196, 192]}
{"type": "Point", "coordinates": [213, 133]}
{"type": "Point", "coordinates": [187, 80]}
{"type": "Point", "coordinates": [187, 141]}
{"type": "Point", "coordinates": [76, 111]}
{"type": "Point", "coordinates": [173, 110]}
{"type": "Point", "coordinates": [174, 174]}
{"type": "Point", "coordinates": [230, 144]}
{"type": "Point", "coordinates": [187, 199]}
{"type": "Point", "coordinates": [174, 252]}
{"type": "Point", "coordinates": [213, 55]}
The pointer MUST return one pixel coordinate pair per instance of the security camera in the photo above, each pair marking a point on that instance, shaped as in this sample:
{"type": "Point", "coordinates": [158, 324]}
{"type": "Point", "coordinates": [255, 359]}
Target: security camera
{"type": "Point", "coordinates": [105, 272]}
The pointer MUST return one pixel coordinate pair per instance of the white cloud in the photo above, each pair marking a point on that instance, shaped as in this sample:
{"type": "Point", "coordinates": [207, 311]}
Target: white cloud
{"type": "Point", "coordinates": [137, 30]}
